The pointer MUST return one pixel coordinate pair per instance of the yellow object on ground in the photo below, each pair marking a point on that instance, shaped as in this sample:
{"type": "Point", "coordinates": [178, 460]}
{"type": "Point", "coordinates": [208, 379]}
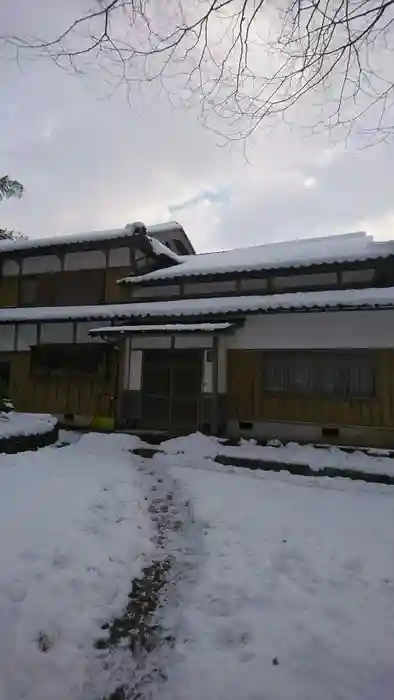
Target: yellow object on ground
{"type": "Point", "coordinates": [103, 423]}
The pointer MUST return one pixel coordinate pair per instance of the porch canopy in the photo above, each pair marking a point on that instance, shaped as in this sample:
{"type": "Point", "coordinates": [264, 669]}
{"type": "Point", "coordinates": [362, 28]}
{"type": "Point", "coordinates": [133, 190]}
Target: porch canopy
{"type": "Point", "coordinates": [166, 328]}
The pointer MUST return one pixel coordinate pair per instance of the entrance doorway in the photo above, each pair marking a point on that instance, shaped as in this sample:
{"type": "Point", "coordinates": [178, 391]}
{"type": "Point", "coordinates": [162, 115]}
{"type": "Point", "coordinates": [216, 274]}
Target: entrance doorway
{"type": "Point", "coordinates": [171, 389]}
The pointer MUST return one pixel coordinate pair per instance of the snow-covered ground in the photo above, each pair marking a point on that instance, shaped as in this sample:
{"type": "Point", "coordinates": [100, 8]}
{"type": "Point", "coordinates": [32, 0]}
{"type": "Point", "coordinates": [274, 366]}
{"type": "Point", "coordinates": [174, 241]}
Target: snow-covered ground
{"type": "Point", "coordinates": [279, 587]}
{"type": "Point", "coordinates": [295, 598]}
{"type": "Point", "coordinates": [74, 530]}
{"type": "Point", "coordinates": [15, 423]}
{"type": "Point", "coordinates": [317, 458]}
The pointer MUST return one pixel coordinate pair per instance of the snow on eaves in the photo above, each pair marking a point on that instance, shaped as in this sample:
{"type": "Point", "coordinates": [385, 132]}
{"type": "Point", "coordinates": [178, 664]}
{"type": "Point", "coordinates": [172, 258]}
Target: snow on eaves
{"type": "Point", "coordinates": [206, 307]}
{"type": "Point", "coordinates": [93, 236]}
{"type": "Point", "coordinates": [163, 328]}
{"type": "Point", "coordinates": [161, 249]}
{"type": "Point", "coordinates": [343, 248]}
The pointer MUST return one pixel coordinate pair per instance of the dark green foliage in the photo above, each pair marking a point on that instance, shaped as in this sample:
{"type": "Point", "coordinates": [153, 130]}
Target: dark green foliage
{"type": "Point", "coordinates": [10, 188]}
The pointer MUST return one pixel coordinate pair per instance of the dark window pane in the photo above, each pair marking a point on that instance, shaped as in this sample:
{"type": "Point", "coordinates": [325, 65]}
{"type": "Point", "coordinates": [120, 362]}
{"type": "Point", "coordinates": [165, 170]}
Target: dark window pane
{"type": "Point", "coordinates": [186, 380]}
{"type": "Point", "coordinates": [155, 411]}
{"type": "Point", "coordinates": [343, 375]}
{"type": "Point", "coordinates": [184, 411]}
{"type": "Point", "coordinates": [156, 380]}
{"type": "Point", "coordinates": [68, 359]}
{"type": "Point", "coordinates": [180, 247]}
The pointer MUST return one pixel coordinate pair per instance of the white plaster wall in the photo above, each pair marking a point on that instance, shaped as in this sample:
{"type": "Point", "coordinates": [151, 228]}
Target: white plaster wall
{"type": "Point", "coordinates": [7, 338]}
{"type": "Point", "coordinates": [132, 379]}
{"type": "Point", "coordinates": [57, 333]}
{"type": "Point", "coordinates": [135, 371]}
{"type": "Point", "coordinates": [333, 329]}
{"type": "Point", "coordinates": [207, 375]}
{"type": "Point", "coordinates": [193, 341]}
{"type": "Point", "coordinates": [83, 328]}
{"type": "Point", "coordinates": [151, 342]}
{"type": "Point", "coordinates": [222, 370]}
{"type": "Point", "coordinates": [207, 383]}
{"type": "Point", "coordinates": [27, 336]}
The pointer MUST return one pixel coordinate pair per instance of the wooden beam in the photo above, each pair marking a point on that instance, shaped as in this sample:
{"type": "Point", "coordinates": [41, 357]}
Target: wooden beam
{"type": "Point", "coordinates": [215, 387]}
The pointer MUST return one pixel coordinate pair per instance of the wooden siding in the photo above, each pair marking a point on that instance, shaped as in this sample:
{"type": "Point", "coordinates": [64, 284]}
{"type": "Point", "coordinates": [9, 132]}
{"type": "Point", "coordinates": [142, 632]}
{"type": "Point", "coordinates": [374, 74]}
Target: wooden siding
{"type": "Point", "coordinates": [247, 400]}
{"type": "Point", "coordinates": [114, 292]}
{"type": "Point", "coordinates": [68, 288]}
{"type": "Point", "coordinates": [8, 292]}
{"type": "Point", "coordinates": [83, 395]}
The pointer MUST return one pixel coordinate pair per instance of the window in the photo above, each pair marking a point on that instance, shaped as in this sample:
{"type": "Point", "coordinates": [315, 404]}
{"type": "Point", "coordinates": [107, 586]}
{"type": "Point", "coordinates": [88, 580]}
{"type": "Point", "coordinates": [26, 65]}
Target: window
{"type": "Point", "coordinates": [143, 264]}
{"type": "Point", "coordinates": [341, 375]}
{"type": "Point", "coordinates": [68, 359]}
{"type": "Point", "coordinates": [219, 287]}
{"type": "Point", "coordinates": [251, 284]}
{"type": "Point", "coordinates": [152, 291]}
{"type": "Point", "coordinates": [357, 276]}
{"type": "Point", "coordinates": [320, 279]}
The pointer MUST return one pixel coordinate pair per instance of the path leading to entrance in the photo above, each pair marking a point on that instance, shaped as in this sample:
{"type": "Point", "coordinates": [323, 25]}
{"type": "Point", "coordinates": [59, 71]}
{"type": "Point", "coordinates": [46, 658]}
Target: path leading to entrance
{"type": "Point", "coordinates": [138, 647]}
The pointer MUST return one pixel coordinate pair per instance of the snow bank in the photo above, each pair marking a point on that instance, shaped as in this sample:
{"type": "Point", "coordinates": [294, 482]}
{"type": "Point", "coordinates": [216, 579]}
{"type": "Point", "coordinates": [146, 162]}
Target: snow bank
{"type": "Point", "coordinates": [195, 444]}
{"type": "Point", "coordinates": [74, 530]}
{"type": "Point", "coordinates": [316, 458]}
{"type": "Point", "coordinates": [13, 424]}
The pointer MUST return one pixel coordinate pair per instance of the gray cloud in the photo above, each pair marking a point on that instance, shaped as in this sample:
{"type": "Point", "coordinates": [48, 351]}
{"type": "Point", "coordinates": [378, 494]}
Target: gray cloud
{"type": "Point", "coordinates": [91, 162]}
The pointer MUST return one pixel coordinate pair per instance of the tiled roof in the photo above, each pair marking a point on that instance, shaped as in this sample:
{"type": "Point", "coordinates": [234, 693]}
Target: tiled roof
{"type": "Point", "coordinates": [212, 307]}
{"type": "Point", "coordinates": [92, 236]}
{"type": "Point", "coordinates": [351, 247]}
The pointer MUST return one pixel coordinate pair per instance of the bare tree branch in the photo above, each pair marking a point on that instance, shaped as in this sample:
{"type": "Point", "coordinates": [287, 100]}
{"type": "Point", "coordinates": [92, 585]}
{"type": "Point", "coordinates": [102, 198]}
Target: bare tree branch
{"type": "Point", "coordinates": [245, 62]}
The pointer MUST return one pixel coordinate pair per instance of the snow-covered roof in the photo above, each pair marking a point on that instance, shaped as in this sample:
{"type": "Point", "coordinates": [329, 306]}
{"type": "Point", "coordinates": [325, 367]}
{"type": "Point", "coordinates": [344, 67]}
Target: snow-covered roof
{"type": "Point", "coordinates": [271, 303]}
{"type": "Point", "coordinates": [161, 249]}
{"type": "Point", "coordinates": [342, 248]}
{"type": "Point", "coordinates": [92, 236]}
{"type": "Point", "coordinates": [163, 328]}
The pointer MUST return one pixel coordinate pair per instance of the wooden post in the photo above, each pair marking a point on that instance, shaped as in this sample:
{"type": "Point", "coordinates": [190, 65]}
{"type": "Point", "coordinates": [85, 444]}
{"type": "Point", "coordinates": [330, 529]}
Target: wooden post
{"type": "Point", "coordinates": [122, 356]}
{"type": "Point", "coordinates": [215, 387]}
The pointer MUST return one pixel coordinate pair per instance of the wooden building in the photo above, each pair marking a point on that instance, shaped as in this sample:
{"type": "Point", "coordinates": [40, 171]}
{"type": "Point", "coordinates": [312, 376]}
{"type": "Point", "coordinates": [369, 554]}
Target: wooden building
{"type": "Point", "coordinates": [56, 366]}
{"type": "Point", "coordinates": [293, 341]}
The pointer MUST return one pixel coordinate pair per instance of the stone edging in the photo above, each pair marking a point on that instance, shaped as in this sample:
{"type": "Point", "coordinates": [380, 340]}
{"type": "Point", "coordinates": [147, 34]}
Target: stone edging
{"type": "Point", "coordinates": [299, 469]}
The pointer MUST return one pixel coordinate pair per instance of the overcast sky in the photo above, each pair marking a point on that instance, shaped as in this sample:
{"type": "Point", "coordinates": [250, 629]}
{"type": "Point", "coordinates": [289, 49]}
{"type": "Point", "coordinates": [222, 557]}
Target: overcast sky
{"type": "Point", "coordinates": [93, 162]}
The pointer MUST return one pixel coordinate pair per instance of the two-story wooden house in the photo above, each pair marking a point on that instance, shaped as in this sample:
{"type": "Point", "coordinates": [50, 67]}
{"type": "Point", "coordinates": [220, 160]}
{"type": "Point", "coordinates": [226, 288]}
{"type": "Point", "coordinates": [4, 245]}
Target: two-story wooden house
{"type": "Point", "coordinates": [292, 340]}
{"type": "Point", "coordinates": [55, 366]}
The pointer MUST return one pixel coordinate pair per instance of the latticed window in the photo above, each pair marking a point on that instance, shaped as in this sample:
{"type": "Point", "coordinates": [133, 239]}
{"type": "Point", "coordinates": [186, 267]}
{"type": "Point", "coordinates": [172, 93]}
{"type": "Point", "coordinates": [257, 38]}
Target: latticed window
{"type": "Point", "coordinates": [336, 374]}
